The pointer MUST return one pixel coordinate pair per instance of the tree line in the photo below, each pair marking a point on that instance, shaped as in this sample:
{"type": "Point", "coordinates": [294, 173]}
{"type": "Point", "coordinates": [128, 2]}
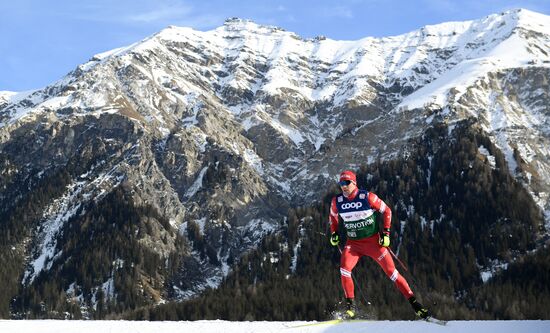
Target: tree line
{"type": "Point", "coordinates": [455, 212]}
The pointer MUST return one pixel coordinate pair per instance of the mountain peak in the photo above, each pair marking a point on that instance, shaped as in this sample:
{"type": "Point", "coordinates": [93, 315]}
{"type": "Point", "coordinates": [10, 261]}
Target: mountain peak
{"type": "Point", "coordinates": [235, 24]}
{"type": "Point", "coordinates": [241, 23]}
{"type": "Point", "coordinates": [529, 19]}
{"type": "Point", "coordinates": [523, 13]}
{"type": "Point", "coordinates": [237, 20]}
{"type": "Point", "coordinates": [518, 17]}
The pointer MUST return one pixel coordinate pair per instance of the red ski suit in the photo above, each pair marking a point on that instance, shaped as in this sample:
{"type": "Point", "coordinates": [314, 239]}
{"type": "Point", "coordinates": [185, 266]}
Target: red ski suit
{"type": "Point", "coordinates": [367, 246]}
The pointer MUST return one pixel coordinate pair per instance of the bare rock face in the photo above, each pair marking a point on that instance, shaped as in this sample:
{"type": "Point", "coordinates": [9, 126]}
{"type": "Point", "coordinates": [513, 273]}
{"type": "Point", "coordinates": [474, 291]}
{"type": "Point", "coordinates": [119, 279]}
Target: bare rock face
{"type": "Point", "coordinates": [220, 132]}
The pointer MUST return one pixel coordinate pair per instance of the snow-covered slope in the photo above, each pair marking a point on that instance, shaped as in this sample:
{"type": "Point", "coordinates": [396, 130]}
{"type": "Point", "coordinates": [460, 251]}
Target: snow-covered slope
{"type": "Point", "coordinates": [495, 43]}
{"type": "Point", "coordinates": [206, 326]}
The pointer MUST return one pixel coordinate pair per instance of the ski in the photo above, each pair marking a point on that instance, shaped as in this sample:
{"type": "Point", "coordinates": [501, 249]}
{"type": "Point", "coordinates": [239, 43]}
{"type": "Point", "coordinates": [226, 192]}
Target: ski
{"type": "Point", "coordinates": [344, 321]}
{"type": "Point", "coordinates": [326, 322]}
{"type": "Point", "coordinates": [435, 321]}
{"type": "Point", "coordinates": [332, 322]}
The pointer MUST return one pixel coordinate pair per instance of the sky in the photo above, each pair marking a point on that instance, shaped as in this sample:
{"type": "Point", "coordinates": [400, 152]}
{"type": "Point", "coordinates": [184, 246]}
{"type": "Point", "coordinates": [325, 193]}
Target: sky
{"type": "Point", "coordinates": [44, 40]}
{"type": "Point", "coordinates": [217, 326]}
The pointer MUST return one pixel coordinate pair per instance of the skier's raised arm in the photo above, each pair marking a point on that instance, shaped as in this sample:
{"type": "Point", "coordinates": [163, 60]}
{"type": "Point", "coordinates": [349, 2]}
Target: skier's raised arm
{"type": "Point", "coordinates": [333, 217]}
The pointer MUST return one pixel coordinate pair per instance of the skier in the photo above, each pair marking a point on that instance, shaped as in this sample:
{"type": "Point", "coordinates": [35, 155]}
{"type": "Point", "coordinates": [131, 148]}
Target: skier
{"type": "Point", "coordinates": [358, 209]}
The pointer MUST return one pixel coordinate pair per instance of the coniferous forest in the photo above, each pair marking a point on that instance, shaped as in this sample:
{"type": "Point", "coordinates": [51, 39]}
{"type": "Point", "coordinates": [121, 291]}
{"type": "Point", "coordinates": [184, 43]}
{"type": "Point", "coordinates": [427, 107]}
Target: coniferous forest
{"type": "Point", "coordinates": [455, 212]}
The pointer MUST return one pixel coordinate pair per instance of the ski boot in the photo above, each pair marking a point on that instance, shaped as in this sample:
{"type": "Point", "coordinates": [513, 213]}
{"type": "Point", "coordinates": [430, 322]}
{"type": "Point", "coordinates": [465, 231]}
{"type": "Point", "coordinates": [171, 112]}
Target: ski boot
{"type": "Point", "coordinates": [351, 309]}
{"type": "Point", "coordinates": [420, 311]}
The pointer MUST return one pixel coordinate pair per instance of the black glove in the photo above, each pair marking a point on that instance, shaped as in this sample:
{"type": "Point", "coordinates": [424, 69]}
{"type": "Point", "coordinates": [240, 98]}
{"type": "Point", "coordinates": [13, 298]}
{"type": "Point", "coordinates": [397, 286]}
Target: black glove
{"type": "Point", "coordinates": [334, 239]}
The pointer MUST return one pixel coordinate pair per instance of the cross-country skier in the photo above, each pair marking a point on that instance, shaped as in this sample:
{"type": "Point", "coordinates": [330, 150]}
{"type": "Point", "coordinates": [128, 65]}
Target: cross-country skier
{"type": "Point", "coordinates": [358, 209]}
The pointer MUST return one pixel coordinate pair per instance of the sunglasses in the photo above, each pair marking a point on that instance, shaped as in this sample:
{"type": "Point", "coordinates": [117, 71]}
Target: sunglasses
{"type": "Point", "coordinates": [344, 182]}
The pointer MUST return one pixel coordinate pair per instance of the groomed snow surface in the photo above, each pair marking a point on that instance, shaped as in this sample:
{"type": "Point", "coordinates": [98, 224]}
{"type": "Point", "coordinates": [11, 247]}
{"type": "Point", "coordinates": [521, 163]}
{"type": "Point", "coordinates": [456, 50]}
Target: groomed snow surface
{"type": "Point", "coordinates": [218, 326]}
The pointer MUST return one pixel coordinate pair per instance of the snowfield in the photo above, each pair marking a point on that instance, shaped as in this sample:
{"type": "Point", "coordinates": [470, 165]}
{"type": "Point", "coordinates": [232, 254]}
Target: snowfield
{"type": "Point", "coordinates": [219, 326]}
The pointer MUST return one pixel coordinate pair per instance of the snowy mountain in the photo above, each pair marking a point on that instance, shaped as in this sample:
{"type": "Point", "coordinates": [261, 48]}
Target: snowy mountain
{"type": "Point", "coordinates": [218, 133]}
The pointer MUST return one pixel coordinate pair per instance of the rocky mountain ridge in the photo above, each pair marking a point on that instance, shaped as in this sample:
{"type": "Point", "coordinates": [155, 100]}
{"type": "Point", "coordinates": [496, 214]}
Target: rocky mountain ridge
{"type": "Point", "coordinates": [222, 131]}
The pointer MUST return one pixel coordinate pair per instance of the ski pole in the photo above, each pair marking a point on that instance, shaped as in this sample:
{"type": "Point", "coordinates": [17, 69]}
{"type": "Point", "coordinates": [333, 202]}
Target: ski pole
{"type": "Point", "coordinates": [422, 289]}
{"type": "Point", "coordinates": [398, 260]}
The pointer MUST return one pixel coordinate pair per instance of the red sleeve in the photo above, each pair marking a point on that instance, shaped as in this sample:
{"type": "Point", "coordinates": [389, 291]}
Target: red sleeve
{"type": "Point", "coordinates": [333, 216]}
{"type": "Point", "coordinates": [376, 203]}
